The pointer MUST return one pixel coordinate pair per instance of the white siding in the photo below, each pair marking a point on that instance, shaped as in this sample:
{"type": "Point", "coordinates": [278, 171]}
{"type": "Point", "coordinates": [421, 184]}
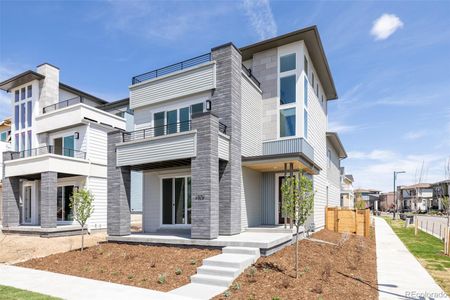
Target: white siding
{"type": "Point", "coordinates": [97, 144]}
{"type": "Point", "coordinates": [252, 117]}
{"type": "Point", "coordinates": [333, 176]}
{"type": "Point", "coordinates": [179, 84]}
{"type": "Point", "coordinates": [97, 186]}
{"type": "Point", "coordinates": [250, 198]}
{"type": "Point", "coordinates": [176, 146]}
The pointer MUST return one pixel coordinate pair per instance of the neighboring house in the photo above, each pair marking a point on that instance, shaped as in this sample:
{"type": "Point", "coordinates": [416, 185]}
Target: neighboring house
{"type": "Point", "coordinates": [386, 202]}
{"type": "Point", "coordinates": [369, 196]}
{"type": "Point", "coordinates": [216, 134]}
{"type": "Point", "coordinates": [59, 144]}
{"type": "Point", "coordinates": [416, 197]}
{"type": "Point", "coordinates": [122, 109]}
{"type": "Point", "coordinates": [347, 194]}
{"type": "Point", "coordinates": [5, 144]}
{"type": "Point", "coordinates": [441, 189]}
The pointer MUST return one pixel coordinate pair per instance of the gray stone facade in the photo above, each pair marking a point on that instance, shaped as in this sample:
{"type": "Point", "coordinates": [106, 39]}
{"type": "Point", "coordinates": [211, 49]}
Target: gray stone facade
{"type": "Point", "coordinates": [119, 190]}
{"type": "Point", "coordinates": [48, 199]}
{"type": "Point", "coordinates": [205, 178]}
{"type": "Point", "coordinates": [226, 104]}
{"type": "Point", "coordinates": [10, 195]}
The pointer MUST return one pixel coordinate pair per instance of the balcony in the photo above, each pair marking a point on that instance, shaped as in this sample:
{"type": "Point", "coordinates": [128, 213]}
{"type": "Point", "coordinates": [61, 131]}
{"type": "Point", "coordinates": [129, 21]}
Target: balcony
{"type": "Point", "coordinates": [176, 141]}
{"type": "Point", "coordinates": [182, 79]}
{"type": "Point", "coordinates": [51, 159]}
{"type": "Point", "coordinates": [286, 146]}
{"type": "Point", "coordinates": [74, 112]}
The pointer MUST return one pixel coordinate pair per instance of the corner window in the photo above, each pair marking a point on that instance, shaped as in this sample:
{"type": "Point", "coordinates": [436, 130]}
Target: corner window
{"type": "Point", "coordinates": [305, 124]}
{"type": "Point", "coordinates": [29, 91]}
{"type": "Point", "coordinates": [305, 91]}
{"type": "Point", "coordinates": [287, 122]}
{"type": "Point", "coordinates": [306, 66]}
{"type": "Point", "coordinates": [22, 93]}
{"type": "Point", "coordinates": [16, 96]}
{"type": "Point", "coordinates": [287, 90]}
{"type": "Point", "coordinates": [287, 62]}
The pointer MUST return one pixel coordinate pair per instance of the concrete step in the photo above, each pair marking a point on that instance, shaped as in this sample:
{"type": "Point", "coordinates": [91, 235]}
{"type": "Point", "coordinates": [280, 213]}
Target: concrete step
{"type": "Point", "coordinates": [239, 261]}
{"type": "Point", "coordinates": [224, 281]}
{"type": "Point", "coordinates": [220, 271]}
{"type": "Point", "coordinates": [270, 230]}
{"type": "Point", "coordinates": [241, 250]}
{"type": "Point", "coordinates": [198, 291]}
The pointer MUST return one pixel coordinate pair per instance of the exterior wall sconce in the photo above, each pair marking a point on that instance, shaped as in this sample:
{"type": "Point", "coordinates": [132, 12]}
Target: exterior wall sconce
{"type": "Point", "coordinates": [76, 135]}
{"type": "Point", "coordinates": [208, 105]}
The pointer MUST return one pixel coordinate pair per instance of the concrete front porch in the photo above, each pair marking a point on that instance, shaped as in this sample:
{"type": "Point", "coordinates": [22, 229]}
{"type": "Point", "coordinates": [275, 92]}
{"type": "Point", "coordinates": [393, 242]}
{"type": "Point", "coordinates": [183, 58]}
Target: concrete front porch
{"type": "Point", "coordinates": [269, 239]}
{"type": "Point", "coordinates": [59, 230]}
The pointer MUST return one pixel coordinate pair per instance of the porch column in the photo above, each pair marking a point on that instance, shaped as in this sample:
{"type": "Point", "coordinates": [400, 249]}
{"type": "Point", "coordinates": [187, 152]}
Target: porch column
{"type": "Point", "coordinates": [226, 103]}
{"type": "Point", "coordinates": [205, 178]}
{"type": "Point", "coordinates": [10, 204]}
{"type": "Point", "coordinates": [48, 199]}
{"type": "Point", "coordinates": [119, 185]}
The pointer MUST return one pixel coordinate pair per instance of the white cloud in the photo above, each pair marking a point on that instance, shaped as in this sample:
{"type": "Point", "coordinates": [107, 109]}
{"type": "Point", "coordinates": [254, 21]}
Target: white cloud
{"type": "Point", "coordinates": [385, 26]}
{"type": "Point", "coordinates": [373, 155]}
{"type": "Point", "coordinates": [415, 135]}
{"type": "Point", "coordinates": [261, 17]}
{"type": "Point", "coordinates": [340, 127]}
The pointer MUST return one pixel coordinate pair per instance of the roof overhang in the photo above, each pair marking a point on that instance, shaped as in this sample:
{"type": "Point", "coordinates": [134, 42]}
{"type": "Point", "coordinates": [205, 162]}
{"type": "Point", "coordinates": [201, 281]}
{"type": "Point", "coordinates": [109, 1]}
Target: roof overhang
{"type": "Point", "coordinates": [334, 139]}
{"type": "Point", "coordinates": [311, 37]}
{"type": "Point", "coordinates": [20, 79]}
{"type": "Point", "coordinates": [276, 163]}
{"type": "Point", "coordinates": [71, 89]}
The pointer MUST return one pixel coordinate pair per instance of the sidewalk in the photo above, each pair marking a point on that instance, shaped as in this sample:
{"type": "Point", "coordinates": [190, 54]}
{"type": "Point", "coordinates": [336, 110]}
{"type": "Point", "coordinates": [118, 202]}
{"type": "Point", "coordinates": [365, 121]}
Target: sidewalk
{"type": "Point", "coordinates": [400, 275]}
{"type": "Point", "coordinates": [72, 287]}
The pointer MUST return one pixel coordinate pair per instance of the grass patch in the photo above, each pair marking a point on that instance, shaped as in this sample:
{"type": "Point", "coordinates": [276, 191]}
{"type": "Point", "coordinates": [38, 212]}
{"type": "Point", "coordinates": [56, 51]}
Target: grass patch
{"type": "Point", "coordinates": [10, 293]}
{"type": "Point", "coordinates": [428, 249]}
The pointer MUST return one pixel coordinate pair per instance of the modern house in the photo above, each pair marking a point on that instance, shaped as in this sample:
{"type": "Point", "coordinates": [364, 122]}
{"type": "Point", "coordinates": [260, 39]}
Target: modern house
{"type": "Point", "coordinates": [215, 136]}
{"type": "Point", "coordinates": [347, 194]}
{"type": "Point", "coordinates": [441, 189]}
{"type": "Point", "coordinates": [386, 201]}
{"type": "Point", "coordinates": [369, 196]}
{"type": "Point", "coordinates": [417, 197]}
{"type": "Point", "coordinates": [59, 144]}
{"type": "Point", "coordinates": [5, 144]}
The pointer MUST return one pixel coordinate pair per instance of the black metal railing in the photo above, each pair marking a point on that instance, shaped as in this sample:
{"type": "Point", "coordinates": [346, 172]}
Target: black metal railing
{"type": "Point", "coordinates": [172, 68]}
{"type": "Point", "coordinates": [48, 150]}
{"type": "Point", "coordinates": [62, 104]}
{"type": "Point", "coordinates": [252, 77]}
{"type": "Point", "coordinates": [162, 130]}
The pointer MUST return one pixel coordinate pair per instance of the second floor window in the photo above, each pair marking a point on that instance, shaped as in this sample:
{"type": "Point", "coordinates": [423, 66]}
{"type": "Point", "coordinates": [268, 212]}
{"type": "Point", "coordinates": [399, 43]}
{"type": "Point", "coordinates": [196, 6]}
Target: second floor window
{"type": "Point", "coordinates": [3, 136]}
{"type": "Point", "coordinates": [16, 117]}
{"type": "Point", "coordinates": [287, 122]}
{"type": "Point", "coordinates": [22, 115]}
{"type": "Point", "coordinates": [29, 91]}
{"type": "Point", "coordinates": [16, 96]}
{"type": "Point", "coordinates": [22, 93]}
{"type": "Point", "coordinates": [30, 113]}
{"type": "Point", "coordinates": [287, 62]}
{"type": "Point", "coordinates": [305, 124]}
{"type": "Point", "coordinates": [287, 89]}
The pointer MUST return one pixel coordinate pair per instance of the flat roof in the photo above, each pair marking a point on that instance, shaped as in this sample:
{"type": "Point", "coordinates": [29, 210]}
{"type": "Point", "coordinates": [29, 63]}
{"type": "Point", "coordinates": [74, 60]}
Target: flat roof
{"type": "Point", "coordinates": [315, 49]}
{"type": "Point", "coordinates": [20, 79]}
{"type": "Point", "coordinates": [71, 89]}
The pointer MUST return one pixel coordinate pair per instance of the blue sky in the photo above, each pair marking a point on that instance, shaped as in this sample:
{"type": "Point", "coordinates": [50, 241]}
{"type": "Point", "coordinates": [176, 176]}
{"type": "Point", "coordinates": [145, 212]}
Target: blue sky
{"type": "Point", "coordinates": [393, 81]}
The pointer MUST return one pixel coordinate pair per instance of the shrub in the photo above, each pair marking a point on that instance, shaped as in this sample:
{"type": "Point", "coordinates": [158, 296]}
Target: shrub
{"type": "Point", "coordinates": [236, 286]}
{"type": "Point", "coordinates": [193, 261]}
{"type": "Point", "coordinates": [178, 271]}
{"type": "Point", "coordinates": [162, 278]}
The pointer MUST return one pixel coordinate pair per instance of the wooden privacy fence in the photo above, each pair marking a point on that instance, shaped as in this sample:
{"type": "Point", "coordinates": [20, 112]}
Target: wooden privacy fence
{"type": "Point", "coordinates": [349, 220]}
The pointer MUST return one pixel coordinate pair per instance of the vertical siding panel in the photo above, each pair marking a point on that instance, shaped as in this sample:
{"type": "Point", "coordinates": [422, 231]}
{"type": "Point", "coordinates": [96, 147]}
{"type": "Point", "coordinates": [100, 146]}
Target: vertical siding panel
{"type": "Point", "coordinates": [268, 198]}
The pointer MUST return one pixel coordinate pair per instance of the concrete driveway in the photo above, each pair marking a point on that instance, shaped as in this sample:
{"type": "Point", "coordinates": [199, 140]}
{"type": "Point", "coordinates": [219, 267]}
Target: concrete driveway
{"type": "Point", "coordinates": [16, 248]}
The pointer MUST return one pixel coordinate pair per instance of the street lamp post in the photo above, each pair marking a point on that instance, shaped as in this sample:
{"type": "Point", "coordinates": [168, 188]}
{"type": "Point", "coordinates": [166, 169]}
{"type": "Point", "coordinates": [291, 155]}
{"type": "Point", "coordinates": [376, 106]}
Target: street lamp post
{"type": "Point", "coordinates": [395, 192]}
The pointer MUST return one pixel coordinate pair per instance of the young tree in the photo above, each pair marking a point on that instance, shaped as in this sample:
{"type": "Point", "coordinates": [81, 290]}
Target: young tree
{"type": "Point", "coordinates": [81, 203]}
{"type": "Point", "coordinates": [298, 197]}
{"type": "Point", "coordinates": [360, 203]}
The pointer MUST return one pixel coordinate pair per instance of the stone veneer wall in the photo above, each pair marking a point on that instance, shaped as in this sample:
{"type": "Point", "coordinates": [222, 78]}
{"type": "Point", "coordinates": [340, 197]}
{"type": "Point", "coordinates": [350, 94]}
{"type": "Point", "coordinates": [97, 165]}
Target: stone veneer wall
{"type": "Point", "coordinates": [10, 195]}
{"type": "Point", "coordinates": [226, 104]}
{"type": "Point", "coordinates": [48, 199]}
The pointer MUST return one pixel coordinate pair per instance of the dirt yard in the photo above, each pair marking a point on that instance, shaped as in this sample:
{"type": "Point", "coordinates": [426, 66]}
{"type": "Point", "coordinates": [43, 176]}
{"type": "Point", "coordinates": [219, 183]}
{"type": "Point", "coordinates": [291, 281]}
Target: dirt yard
{"type": "Point", "coordinates": [16, 248]}
{"type": "Point", "coordinates": [152, 267]}
{"type": "Point", "coordinates": [343, 271]}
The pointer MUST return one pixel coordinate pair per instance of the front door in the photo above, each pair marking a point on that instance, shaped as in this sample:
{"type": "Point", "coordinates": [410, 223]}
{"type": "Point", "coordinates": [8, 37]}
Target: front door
{"type": "Point", "coordinates": [176, 200]}
{"type": "Point", "coordinates": [27, 207]}
{"type": "Point", "coordinates": [63, 209]}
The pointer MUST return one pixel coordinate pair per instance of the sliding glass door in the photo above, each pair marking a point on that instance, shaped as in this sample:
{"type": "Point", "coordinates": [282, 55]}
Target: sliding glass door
{"type": "Point", "coordinates": [176, 200]}
{"type": "Point", "coordinates": [63, 209]}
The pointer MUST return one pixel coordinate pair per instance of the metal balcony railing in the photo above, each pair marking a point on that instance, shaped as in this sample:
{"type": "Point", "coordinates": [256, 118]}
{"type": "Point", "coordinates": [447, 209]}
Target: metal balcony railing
{"type": "Point", "coordinates": [172, 68]}
{"type": "Point", "coordinates": [62, 104]}
{"type": "Point", "coordinates": [162, 130]}
{"type": "Point", "coordinates": [252, 77]}
{"type": "Point", "coordinates": [68, 152]}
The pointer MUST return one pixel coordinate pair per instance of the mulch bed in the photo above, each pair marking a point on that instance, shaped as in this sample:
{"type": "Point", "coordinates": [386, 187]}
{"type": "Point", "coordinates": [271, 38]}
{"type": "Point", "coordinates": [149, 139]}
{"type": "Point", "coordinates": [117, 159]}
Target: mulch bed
{"type": "Point", "coordinates": [136, 265]}
{"type": "Point", "coordinates": [343, 271]}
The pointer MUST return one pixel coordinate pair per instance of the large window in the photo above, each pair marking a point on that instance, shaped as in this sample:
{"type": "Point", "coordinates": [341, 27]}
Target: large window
{"type": "Point", "coordinates": [29, 113]}
{"type": "Point", "coordinates": [287, 90]}
{"type": "Point", "coordinates": [306, 66]}
{"type": "Point", "coordinates": [3, 136]}
{"type": "Point", "coordinates": [16, 117]}
{"type": "Point", "coordinates": [29, 91]}
{"type": "Point", "coordinates": [63, 210]}
{"type": "Point", "coordinates": [172, 121]}
{"type": "Point", "coordinates": [287, 62]}
{"type": "Point", "coordinates": [16, 139]}
{"type": "Point", "coordinates": [184, 119]}
{"type": "Point", "coordinates": [287, 122]}
{"type": "Point", "coordinates": [159, 123]}
{"type": "Point", "coordinates": [64, 146]}
{"type": "Point", "coordinates": [176, 200]}
{"type": "Point", "coordinates": [16, 96]}
{"type": "Point", "coordinates": [22, 114]}
{"type": "Point", "coordinates": [305, 124]}
{"type": "Point", "coordinates": [22, 93]}
{"type": "Point", "coordinates": [305, 92]}
{"type": "Point", "coordinates": [176, 120]}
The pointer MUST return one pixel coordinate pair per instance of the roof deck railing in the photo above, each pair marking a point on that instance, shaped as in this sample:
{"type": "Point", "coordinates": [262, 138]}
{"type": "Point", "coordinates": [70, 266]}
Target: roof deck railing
{"type": "Point", "coordinates": [68, 152]}
{"type": "Point", "coordinates": [62, 104]}
{"type": "Point", "coordinates": [172, 68]}
{"type": "Point", "coordinates": [251, 76]}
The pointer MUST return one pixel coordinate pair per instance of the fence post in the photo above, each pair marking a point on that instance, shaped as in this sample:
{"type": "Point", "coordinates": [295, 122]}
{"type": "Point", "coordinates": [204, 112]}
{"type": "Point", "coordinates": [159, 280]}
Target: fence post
{"type": "Point", "coordinates": [416, 225]}
{"type": "Point", "coordinates": [367, 222]}
{"type": "Point", "coordinates": [326, 217]}
{"type": "Point", "coordinates": [336, 220]}
{"type": "Point", "coordinates": [447, 241]}
{"type": "Point", "coordinates": [356, 221]}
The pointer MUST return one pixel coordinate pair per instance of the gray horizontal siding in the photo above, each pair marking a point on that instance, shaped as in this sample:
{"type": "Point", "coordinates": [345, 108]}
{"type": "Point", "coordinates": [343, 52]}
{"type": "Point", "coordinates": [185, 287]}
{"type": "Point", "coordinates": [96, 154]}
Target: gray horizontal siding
{"type": "Point", "coordinates": [156, 150]}
{"type": "Point", "coordinates": [190, 81]}
{"type": "Point", "coordinates": [224, 148]}
{"type": "Point", "coordinates": [268, 199]}
{"type": "Point", "coordinates": [295, 145]}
